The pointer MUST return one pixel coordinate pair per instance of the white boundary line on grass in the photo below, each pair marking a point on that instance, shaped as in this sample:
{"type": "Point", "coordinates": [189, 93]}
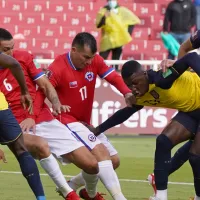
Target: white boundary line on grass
{"type": "Point", "coordinates": [122, 180]}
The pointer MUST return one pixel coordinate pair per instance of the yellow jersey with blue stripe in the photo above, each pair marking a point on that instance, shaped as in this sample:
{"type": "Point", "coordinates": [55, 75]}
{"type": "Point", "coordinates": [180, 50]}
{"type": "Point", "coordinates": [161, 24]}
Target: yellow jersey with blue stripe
{"type": "Point", "coordinates": [3, 102]}
{"type": "Point", "coordinates": [183, 95]}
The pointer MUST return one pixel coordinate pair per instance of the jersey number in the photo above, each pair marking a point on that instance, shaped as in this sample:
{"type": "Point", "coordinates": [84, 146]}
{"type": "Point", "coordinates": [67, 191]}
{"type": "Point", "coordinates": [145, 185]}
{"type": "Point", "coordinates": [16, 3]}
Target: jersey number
{"type": "Point", "coordinates": [83, 92]}
{"type": "Point", "coordinates": [8, 86]}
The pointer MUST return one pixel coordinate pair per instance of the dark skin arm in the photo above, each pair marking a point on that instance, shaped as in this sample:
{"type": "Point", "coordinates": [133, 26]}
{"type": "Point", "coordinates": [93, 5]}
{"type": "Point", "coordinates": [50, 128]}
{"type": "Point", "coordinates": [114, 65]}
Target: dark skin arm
{"type": "Point", "coordinates": [15, 68]}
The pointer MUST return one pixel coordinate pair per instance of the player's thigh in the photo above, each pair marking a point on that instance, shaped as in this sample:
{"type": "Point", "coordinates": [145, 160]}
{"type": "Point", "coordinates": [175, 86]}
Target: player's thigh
{"type": "Point", "coordinates": [37, 146]}
{"type": "Point", "coordinates": [111, 149]}
{"type": "Point", "coordinates": [10, 132]}
{"type": "Point", "coordinates": [90, 141]}
{"type": "Point", "coordinates": [60, 140]}
{"type": "Point", "coordinates": [83, 159]}
{"type": "Point", "coordinates": [181, 128]}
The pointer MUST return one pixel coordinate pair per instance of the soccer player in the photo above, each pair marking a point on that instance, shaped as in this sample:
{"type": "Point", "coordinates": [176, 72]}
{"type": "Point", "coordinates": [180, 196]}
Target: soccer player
{"type": "Point", "coordinates": [73, 75]}
{"type": "Point", "coordinates": [47, 128]}
{"type": "Point", "coordinates": [161, 90]}
{"type": "Point", "coordinates": [10, 132]}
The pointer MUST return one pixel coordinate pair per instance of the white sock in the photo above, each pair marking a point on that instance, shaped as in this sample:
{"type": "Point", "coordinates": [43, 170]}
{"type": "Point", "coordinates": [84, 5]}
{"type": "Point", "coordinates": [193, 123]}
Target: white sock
{"type": "Point", "coordinates": [196, 197]}
{"type": "Point", "coordinates": [91, 181]}
{"type": "Point", "coordinates": [50, 165]}
{"type": "Point", "coordinates": [76, 182]}
{"type": "Point", "coordinates": [162, 194]}
{"type": "Point", "coordinates": [110, 180]}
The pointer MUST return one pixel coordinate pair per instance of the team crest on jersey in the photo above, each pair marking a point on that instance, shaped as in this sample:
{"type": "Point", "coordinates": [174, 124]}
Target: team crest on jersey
{"type": "Point", "coordinates": [92, 137]}
{"type": "Point", "coordinates": [89, 76]}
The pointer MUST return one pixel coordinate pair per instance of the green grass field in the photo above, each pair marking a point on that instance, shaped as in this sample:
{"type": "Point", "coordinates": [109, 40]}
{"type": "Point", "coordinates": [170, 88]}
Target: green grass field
{"type": "Point", "coordinates": [136, 163]}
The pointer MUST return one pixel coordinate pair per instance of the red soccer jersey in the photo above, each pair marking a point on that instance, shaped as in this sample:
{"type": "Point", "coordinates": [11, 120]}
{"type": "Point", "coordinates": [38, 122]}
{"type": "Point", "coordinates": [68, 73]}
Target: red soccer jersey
{"type": "Point", "coordinates": [76, 87]}
{"type": "Point", "coordinates": [11, 88]}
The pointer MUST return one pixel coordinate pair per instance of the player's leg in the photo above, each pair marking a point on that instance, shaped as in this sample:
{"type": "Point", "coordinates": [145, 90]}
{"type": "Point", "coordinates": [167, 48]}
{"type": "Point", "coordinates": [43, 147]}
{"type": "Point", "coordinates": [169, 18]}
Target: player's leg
{"type": "Point", "coordinates": [39, 149]}
{"type": "Point", "coordinates": [180, 157]}
{"type": "Point", "coordinates": [77, 181]}
{"type": "Point", "coordinates": [67, 148]}
{"type": "Point", "coordinates": [172, 135]}
{"type": "Point", "coordinates": [194, 160]}
{"type": "Point", "coordinates": [106, 172]}
{"type": "Point", "coordinates": [11, 135]}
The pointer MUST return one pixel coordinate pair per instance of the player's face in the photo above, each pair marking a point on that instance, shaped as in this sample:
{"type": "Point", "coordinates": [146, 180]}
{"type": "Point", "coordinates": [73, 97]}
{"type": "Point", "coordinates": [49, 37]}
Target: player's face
{"type": "Point", "coordinates": [82, 57]}
{"type": "Point", "coordinates": [138, 83]}
{"type": "Point", "coordinates": [7, 46]}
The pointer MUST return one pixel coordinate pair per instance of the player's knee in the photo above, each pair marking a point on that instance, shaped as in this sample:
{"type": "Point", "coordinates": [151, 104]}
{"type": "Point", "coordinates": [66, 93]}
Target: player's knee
{"type": "Point", "coordinates": [101, 152]}
{"type": "Point", "coordinates": [17, 147]}
{"type": "Point", "coordinates": [163, 143]}
{"type": "Point", "coordinates": [92, 167]}
{"type": "Point", "coordinates": [41, 149]}
{"type": "Point", "coordinates": [115, 161]}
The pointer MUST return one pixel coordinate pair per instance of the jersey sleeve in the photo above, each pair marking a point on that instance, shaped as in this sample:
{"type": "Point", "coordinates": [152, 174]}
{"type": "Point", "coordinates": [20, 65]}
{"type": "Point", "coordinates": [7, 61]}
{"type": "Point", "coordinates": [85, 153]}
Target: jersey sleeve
{"type": "Point", "coordinates": [103, 69]}
{"type": "Point", "coordinates": [33, 71]}
{"type": "Point", "coordinates": [195, 40]}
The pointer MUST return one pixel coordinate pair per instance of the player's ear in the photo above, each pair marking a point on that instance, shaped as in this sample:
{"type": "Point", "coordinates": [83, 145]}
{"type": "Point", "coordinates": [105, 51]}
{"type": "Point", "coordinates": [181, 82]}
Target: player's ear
{"type": "Point", "coordinates": [73, 49]}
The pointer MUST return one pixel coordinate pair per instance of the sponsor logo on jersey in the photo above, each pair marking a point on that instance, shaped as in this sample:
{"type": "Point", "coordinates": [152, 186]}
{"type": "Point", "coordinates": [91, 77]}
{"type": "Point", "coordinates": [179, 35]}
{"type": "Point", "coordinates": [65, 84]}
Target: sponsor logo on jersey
{"type": "Point", "coordinates": [92, 137]}
{"type": "Point", "coordinates": [73, 84]}
{"type": "Point", "coordinates": [89, 76]}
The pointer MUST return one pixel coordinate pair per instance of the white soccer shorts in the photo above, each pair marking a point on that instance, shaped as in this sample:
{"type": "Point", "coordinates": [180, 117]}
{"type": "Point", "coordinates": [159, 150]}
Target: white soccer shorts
{"type": "Point", "coordinates": [88, 138]}
{"type": "Point", "coordinates": [61, 141]}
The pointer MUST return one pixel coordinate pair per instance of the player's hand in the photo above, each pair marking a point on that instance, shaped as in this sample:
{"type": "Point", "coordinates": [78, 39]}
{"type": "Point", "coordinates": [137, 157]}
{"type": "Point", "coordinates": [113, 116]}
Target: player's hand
{"type": "Point", "coordinates": [166, 64]}
{"type": "Point", "coordinates": [27, 102]}
{"type": "Point", "coordinates": [2, 156]}
{"type": "Point", "coordinates": [58, 108]}
{"type": "Point", "coordinates": [92, 128]}
{"type": "Point", "coordinates": [130, 99]}
{"type": "Point", "coordinates": [27, 125]}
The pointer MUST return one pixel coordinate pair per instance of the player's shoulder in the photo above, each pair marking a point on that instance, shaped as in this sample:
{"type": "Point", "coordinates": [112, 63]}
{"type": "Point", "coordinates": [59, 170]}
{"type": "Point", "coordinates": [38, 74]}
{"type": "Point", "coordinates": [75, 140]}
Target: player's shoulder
{"type": "Point", "coordinates": [97, 59]}
{"type": "Point", "coordinates": [22, 55]}
{"type": "Point", "coordinates": [58, 61]}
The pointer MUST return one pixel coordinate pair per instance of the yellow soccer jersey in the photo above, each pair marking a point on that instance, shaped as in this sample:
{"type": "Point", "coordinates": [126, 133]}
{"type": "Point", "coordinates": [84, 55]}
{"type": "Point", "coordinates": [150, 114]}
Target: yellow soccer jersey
{"type": "Point", "coordinates": [184, 94]}
{"type": "Point", "coordinates": [3, 102]}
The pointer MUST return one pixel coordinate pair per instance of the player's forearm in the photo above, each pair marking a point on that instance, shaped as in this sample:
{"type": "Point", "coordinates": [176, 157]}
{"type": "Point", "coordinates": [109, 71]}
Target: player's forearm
{"type": "Point", "coordinates": [48, 89]}
{"type": "Point", "coordinates": [184, 48]}
{"type": "Point", "coordinates": [117, 118]}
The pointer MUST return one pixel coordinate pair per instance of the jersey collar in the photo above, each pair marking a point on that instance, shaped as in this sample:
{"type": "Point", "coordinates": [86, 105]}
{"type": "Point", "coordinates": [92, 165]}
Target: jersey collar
{"type": "Point", "coordinates": [70, 61]}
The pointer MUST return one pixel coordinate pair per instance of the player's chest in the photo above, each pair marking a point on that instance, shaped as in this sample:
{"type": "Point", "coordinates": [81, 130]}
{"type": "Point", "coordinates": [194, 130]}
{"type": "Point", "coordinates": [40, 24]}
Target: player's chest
{"type": "Point", "coordinates": [76, 80]}
{"type": "Point", "coordinates": [156, 97]}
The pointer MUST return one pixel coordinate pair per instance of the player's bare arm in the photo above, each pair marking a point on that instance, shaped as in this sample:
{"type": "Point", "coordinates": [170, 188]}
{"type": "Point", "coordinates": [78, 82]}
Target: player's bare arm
{"type": "Point", "coordinates": [51, 95]}
{"type": "Point", "coordinates": [185, 48]}
{"type": "Point", "coordinates": [9, 62]}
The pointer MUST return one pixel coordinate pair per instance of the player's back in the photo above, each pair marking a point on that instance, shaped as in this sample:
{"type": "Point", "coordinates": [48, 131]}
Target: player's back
{"type": "Point", "coordinates": [183, 95]}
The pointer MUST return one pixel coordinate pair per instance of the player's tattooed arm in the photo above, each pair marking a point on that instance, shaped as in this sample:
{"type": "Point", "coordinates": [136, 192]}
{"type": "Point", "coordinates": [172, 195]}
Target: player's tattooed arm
{"type": "Point", "coordinates": [51, 95]}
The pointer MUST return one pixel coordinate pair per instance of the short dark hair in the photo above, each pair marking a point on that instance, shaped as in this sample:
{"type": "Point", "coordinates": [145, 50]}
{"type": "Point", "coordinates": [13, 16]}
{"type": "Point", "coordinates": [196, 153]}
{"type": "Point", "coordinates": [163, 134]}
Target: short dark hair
{"type": "Point", "coordinates": [85, 38]}
{"type": "Point", "coordinates": [5, 34]}
{"type": "Point", "coordinates": [130, 67]}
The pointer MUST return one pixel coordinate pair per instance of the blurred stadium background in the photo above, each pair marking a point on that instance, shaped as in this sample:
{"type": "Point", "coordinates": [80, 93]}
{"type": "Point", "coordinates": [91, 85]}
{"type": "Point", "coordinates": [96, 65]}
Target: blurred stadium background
{"type": "Point", "coordinates": [46, 28]}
